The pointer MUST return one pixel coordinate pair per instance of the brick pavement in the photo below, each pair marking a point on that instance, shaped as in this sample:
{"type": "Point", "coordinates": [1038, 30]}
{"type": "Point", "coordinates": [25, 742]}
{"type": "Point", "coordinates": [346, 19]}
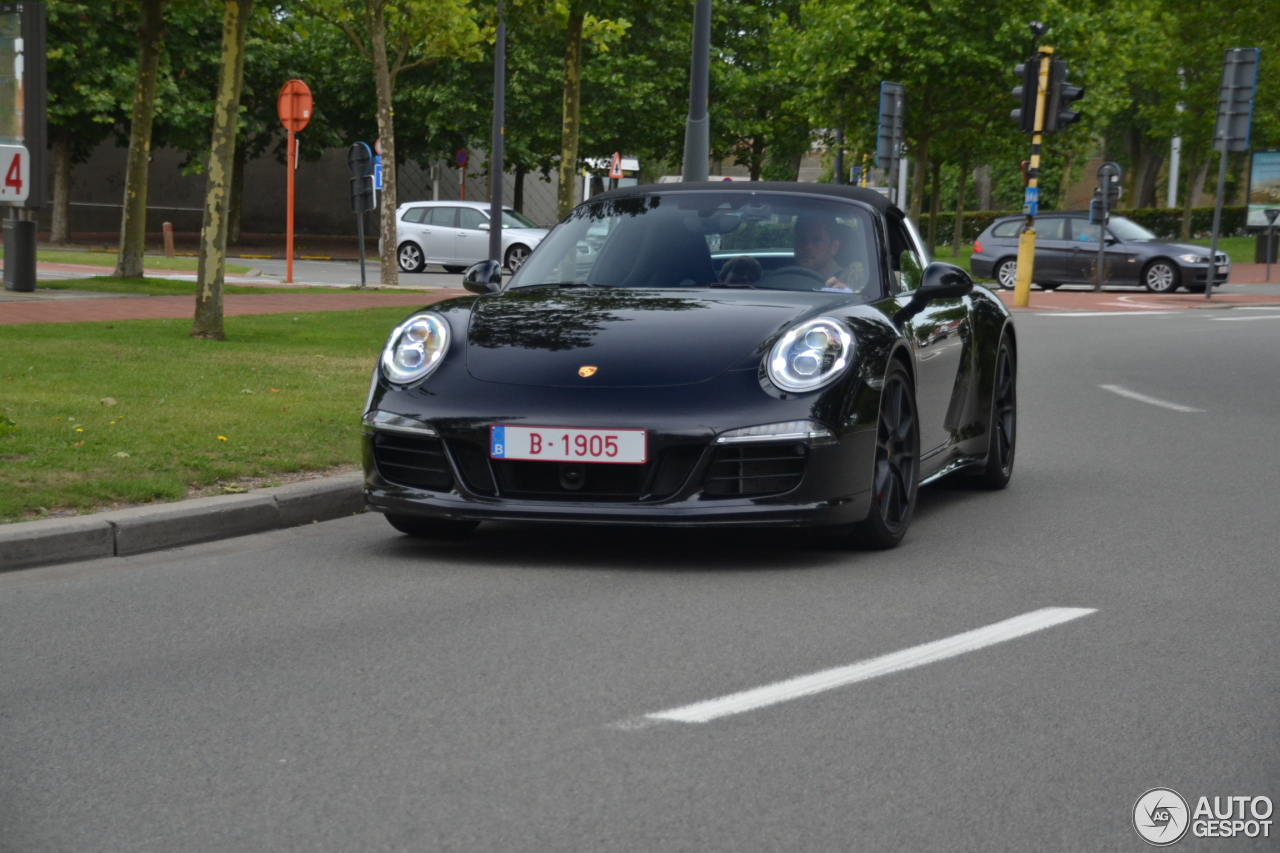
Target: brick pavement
{"type": "Point", "coordinates": [1132, 300]}
{"type": "Point", "coordinates": [234, 305]}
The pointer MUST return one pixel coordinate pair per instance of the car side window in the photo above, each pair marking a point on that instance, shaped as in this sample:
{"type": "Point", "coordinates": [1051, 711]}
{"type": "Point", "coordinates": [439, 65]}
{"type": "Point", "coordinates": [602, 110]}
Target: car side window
{"type": "Point", "coordinates": [470, 218]}
{"type": "Point", "coordinates": [1007, 229]}
{"type": "Point", "coordinates": [906, 266]}
{"type": "Point", "coordinates": [443, 216]}
{"type": "Point", "coordinates": [414, 214]}
{"type": "Point", "coordinates": [1051, 228]}
{"type": "Point", "coordinates": [1083, 232]}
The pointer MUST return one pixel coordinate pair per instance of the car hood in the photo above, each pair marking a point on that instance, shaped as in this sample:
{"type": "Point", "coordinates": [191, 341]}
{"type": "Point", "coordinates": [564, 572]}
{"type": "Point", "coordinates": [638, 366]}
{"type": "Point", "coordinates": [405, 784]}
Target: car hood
{"type": "Point", "coordinates": [634, 339]}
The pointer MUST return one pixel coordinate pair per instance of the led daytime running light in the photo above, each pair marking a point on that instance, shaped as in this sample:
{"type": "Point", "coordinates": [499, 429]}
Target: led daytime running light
{"type": "Point", "coordinates": [810, 355]}
{"type": "Point", "coordinates": [415, 348]}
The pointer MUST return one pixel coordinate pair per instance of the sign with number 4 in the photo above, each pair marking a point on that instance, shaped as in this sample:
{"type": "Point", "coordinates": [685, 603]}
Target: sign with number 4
{"type": "Point", "coordinates": [15, 173]}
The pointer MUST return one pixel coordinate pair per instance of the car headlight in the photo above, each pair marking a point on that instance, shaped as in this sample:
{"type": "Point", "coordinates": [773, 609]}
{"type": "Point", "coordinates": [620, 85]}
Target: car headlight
{"type": "Point", "coordinates": [415, 348]}
{"type": "Point", "coordinates": [810, 355]}
{"type": "Point", "coordinates": [1192, 259]}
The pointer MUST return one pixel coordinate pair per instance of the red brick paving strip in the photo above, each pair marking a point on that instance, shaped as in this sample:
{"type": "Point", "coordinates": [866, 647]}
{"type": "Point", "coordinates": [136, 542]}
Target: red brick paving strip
{"type": "Point", "coordinates": [1115, 300]}
{"type": "Point", "coordinates": [235, 305]}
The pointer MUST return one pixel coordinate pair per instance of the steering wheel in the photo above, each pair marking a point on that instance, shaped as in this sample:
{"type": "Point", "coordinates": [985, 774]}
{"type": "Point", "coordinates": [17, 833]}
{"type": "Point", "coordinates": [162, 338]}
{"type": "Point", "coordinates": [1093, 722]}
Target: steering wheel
{"type": "Point", "coordinates": [796, 269]}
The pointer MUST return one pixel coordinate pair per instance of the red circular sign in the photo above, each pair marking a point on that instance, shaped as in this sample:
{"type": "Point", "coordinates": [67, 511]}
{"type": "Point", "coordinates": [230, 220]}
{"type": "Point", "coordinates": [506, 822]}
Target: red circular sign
{"type": "Point", "coordinates": [294, 105]}
{"type": "Point", "coordinates": [461, 157]}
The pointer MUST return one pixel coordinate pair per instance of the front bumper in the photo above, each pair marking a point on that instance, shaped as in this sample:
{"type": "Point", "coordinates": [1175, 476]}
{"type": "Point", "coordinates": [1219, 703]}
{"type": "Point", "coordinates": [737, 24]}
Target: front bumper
{"type": "Point", "coordinates": [1198, 274]}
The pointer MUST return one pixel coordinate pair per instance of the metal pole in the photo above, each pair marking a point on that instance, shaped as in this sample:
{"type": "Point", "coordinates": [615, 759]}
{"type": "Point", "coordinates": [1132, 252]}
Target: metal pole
{"type": "Point", "coordinates": [1027, 239]}
{"type": "Point", "coordinates": [1217, 223]}
{"type": "Point", "coordinates": [1271, 240]}
{"type": "Point", "coordinates": [1101, 277]}
{"type": "Point", "coordinates": [1175, 157]}
{"type": "Point", "coordinates": [901, 199]}
{"type": "Point", "coordinates": [496, 167]}
{"type": "Point", "coordinates": [697, 129]}
{"type": "Point", "coordinates": [288, 237]}
{"type": "Point", "coordinates": [360, 231]}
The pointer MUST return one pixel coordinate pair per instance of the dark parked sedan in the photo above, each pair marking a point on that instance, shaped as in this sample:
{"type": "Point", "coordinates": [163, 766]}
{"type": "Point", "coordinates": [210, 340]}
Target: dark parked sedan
{"type": "Point", "coordinates": [698, 354]}
{"type": "Point", "coordinates": [1067, 253]}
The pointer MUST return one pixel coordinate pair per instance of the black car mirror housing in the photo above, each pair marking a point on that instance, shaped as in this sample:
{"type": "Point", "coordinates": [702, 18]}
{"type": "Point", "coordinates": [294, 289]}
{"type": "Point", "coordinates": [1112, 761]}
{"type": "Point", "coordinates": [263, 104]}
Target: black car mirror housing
{"type": "Point", "coordinates": [484, 277]}
{"type": "Point", "coordinates": [939, 281]}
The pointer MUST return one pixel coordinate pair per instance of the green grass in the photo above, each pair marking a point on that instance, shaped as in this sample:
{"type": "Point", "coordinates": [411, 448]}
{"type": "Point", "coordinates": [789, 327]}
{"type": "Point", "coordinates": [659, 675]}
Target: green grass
{"type": "Point", "coordinates": [108, 259]}
{"type": "Point", "coordinates": [170, 287]}
{"type": "Point", "coordinates": [1239, 249]}
{"type": "Point", "coordinates": [284, 392]}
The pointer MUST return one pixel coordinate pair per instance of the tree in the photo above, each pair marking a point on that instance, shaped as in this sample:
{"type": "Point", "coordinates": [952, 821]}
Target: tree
{"type": "Point", "coordinates": [395, 36]}
{"type": "Point", "coordinates": [213, 233]}
{"type": "Point", "coordinates": [89, 55]}
{"type": "Point", "coordinates": [133, 220]}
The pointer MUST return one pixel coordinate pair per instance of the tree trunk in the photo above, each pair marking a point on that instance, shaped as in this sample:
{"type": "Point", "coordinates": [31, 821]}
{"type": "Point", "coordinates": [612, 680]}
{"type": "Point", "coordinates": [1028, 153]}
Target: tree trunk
{"type": "Point", "coordinates": [757, 157]}
{"type": "Point", "coordinates": [387, 133]}
{"type": "Point", "coordinates": [982, 183]}
{"type": "Point", "coordinates": [60, 227]}
{"type": "Point", "coordinates": [517, 195]}
{"type": "Point", "coordinates": [1194, 189]}
{"type": "Point", "coordinates": [217, 195]}
{"type": "Point", "coordinates": [133, 220]}
{"type": "Point", "coordinates": [236, 211]}
{"type": "Point", "coordinates": [569, 128]}
{"type": "Point", "coordinates": [1145, 175]}
{"type": "Point", "coordinates": [957, 235]}
{"type": "Point", "coordinates": [935, 207]}
{"type": "Point", "coordinates": [921, 159]}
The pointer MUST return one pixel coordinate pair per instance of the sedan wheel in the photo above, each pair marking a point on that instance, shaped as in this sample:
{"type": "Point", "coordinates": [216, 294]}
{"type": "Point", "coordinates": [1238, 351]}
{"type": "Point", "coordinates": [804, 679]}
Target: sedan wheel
{"type": "Point", "coordinates": [895, 480]}
{"type": "Point", "coordinates": [410, 257]}
{"type": "Point", "coordinates": [1160, 277]}
{"type": "Point", "coordinates": [1003, 429]}
{"type": "Point", "coordinates": [516, 256]}
{"type": "Point", "coordinates": [1007, 273]}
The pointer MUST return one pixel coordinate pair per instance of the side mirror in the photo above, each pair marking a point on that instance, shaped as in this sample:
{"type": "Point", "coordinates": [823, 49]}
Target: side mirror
{"type": "Point", "coordinates": [940, 281]}
{"type": "Point", "coordinates": [1111, 241]}
{"type": "Point", "coordinates": [483, 226]}
{"type": "Point", "coordinates": [484, 277]}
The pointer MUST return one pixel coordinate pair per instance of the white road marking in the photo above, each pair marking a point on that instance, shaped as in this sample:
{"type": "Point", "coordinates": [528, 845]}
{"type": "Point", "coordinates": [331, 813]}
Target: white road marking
{"type": "Point", "coordinates": [1107, 313]}
{"type": "Point", "coordinates": [829, 679]}
{"type": "Point", "coordinates": [1255, 317]}
{"type": "Point", "coordinates": [1143, 398]}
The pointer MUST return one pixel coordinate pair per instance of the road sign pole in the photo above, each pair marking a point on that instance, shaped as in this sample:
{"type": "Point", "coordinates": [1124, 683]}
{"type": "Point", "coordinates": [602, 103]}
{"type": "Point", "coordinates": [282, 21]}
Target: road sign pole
{"type": "Point", "coordinates": [1031, 203]}
{"type": "Point", "coordinates": [288, 220]}
{"type": "Point", "coordinates": [496, 165]}
{"type": "Point", "coordinates": [697, 129]}
{"type": "Point", "coordinates": [360, 232]}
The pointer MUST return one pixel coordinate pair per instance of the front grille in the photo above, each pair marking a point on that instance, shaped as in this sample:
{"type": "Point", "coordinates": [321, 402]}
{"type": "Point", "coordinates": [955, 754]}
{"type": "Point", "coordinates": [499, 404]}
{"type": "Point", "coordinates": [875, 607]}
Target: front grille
{"type": "Point", "coordinates": [760, 469]}
{"type": "Point", "coordinates": [595, 481]}
{"type": "Point", "coordinates": [408, 460]}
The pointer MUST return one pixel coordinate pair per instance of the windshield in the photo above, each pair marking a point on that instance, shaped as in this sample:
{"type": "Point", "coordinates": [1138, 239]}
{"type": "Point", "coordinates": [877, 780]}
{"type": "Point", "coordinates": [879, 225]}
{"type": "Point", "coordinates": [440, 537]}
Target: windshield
{"type": "Point", "coordinates": [771, 241]}
{"type": "Point", "coordinates": [1127, 229]}
{"type": "Point", "coordinates": [515, 219]}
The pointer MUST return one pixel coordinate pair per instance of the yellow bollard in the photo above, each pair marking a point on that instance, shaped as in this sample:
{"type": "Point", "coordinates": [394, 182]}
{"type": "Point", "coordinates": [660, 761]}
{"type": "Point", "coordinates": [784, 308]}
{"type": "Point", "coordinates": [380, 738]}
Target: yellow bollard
{"type": "Point", "coordinates": [1026, 264]}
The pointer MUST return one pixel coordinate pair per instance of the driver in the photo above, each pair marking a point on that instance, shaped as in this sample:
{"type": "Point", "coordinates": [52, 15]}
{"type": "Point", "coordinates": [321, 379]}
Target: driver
{"type": "Point", "coordinates": [817, 242]}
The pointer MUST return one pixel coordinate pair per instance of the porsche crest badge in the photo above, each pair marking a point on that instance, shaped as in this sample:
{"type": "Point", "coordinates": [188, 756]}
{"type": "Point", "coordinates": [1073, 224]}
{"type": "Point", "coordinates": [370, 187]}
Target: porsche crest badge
{"type": "Point", "coordinates": [587, 370]}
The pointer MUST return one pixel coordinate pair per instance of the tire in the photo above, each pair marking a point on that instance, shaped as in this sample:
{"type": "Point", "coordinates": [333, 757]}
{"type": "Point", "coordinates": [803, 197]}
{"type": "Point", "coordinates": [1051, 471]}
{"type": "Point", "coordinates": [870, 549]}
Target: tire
{"type": "Point", "coordinates": [454, 269]}
{"type": "Point", "coordinates": [1003, 426]}
{"type": "Point", "coordinates": [895, 478]}
{"type": "Point", "coordinates": [1050, 285]}
{"type": "Point", "coordinates": [431, 528]}
{"type": "Point", "coordinates": [1006, 272]}
{"type": "Point", "coordinates": [1161, 276]}
{"type": "Point", "coordinates": [516, 256]}
{"type": "Point", "coordinates": [1195, 288]}
{"type": "Point", "coordinates": [410, 257]}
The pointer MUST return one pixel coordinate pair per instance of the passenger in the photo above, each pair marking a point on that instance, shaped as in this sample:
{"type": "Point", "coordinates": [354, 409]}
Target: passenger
{"type": "Point", "coordinates": [818, 241]}
{"type": "Point", "coordinates": [742, 270]}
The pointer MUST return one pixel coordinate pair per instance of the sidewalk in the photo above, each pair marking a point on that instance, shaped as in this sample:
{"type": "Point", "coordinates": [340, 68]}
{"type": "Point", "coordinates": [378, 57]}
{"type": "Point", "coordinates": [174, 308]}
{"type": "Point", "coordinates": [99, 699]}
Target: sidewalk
{"type": "Point", "coordinates": [1134, 300]}
{"type": "Point", "coordinates": [173, 307]}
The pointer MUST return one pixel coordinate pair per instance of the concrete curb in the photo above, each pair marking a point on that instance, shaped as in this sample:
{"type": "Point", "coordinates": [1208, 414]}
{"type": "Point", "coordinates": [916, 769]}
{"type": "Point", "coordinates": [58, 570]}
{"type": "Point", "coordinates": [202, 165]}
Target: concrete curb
{"type": "Point", "coordinates": [152, 528]}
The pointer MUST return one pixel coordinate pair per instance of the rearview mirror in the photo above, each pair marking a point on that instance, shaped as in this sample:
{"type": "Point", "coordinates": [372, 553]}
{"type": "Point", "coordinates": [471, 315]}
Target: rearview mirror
{"type": "Point", "coordinates": [939, 281]}
{"type": "Point", "coordinates": [484, 277]}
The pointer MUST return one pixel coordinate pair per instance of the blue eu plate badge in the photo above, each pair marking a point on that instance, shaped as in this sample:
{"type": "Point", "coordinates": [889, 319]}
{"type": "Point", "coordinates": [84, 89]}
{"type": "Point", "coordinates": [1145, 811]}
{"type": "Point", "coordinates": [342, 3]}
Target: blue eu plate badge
{"type": "Point", "coordinates": [498, 442]}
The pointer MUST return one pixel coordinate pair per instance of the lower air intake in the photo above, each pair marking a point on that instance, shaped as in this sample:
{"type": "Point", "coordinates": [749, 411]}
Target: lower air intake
{"type": "Point", "coordinates": [754, 470]}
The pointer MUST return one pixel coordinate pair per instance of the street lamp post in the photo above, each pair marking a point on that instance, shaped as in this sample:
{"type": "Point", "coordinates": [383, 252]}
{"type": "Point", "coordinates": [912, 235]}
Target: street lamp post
{"type": "Point", "coordinates": [499, 131]}
{"type": "Point", "coordinates": [697, 130]}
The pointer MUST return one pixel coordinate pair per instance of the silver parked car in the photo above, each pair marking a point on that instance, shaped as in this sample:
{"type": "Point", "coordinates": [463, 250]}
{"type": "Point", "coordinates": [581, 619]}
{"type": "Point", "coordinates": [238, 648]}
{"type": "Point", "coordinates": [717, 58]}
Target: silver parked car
{"type": "Point", "coordinates": [455, 234]}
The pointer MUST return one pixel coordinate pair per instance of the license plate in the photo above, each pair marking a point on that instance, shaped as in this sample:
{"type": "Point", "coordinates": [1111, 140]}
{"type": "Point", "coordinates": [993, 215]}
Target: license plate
{"type": "Point", "coordinates": [1223, 270]}
{"type": "Point", "coordinates": [566, 444]}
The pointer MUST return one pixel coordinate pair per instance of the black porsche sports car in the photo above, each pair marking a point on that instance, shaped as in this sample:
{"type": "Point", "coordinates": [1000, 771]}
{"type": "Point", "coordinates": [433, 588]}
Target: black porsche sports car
{"type": "Point", "coordinates": [698, 354]}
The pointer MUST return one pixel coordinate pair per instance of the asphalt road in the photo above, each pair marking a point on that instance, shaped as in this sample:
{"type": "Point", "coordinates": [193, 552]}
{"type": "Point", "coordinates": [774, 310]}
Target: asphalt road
{"type": "Point", "coordinates": [340, 687]}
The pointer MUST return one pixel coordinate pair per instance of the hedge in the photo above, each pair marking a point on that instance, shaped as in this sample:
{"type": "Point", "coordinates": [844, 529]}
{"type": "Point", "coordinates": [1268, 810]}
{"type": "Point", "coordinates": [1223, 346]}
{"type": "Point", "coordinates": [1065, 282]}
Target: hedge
{"type": "Point", "coordinates": [1164, 222]}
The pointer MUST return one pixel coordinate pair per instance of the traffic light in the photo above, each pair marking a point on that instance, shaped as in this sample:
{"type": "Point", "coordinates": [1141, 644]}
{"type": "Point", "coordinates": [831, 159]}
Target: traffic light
{"type": "Point", "coordinates": [1061, 95]}
{"type": "Point", "coordinates": [1029, 73]}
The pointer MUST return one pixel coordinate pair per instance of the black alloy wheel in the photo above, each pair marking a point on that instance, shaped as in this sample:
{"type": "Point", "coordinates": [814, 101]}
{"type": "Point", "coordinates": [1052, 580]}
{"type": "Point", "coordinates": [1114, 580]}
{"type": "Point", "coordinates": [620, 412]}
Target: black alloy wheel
{"type": "Point", "coordinates": [410, 257]}
{"type": "Point", "coordinates": [1003, 428]}
{"type": "Point", "coordinates": [1160, 276]}
{"type": "Point", "coordinates": [896, 476]}
{"type": "Point", "coordinates": [516, 256]}
{"type": "Point", "coordinates": [431, 528]}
